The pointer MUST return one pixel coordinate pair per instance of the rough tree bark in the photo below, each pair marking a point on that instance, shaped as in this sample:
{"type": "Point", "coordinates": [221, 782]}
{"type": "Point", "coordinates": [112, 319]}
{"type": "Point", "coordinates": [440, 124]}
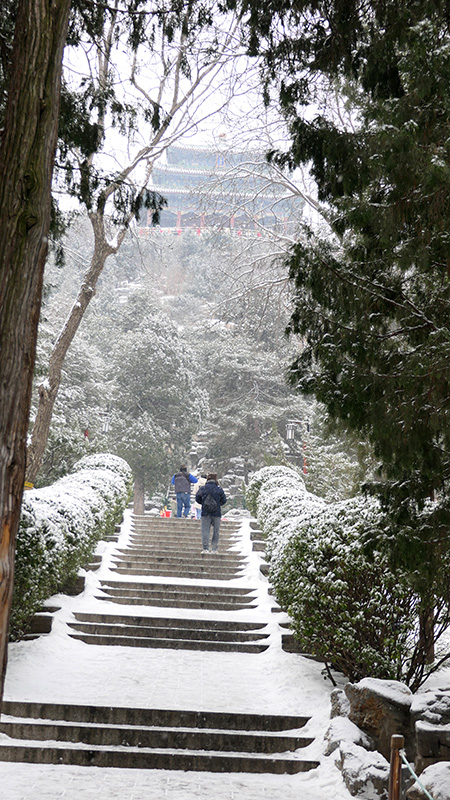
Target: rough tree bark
{"type": "Point", "coordinates": [27, 154]}
{"type": "Point", "coordinates": [139, 496]}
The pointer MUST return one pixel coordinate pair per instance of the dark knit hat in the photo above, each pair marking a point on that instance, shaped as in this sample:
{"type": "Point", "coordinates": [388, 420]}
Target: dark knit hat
{"type": "Point", "coordinates": [212, 476]}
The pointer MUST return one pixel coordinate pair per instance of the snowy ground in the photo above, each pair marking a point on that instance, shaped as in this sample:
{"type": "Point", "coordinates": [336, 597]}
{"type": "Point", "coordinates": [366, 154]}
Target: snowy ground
{"type": "Point", "coordinates": [57, 668]}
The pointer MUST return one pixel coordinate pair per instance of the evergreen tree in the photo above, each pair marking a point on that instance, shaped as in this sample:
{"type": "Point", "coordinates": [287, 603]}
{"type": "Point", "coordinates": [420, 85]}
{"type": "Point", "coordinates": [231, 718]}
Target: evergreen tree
{"type": "Point", "coordinates": [156, 404]}
{"type": "Point", "coordinates": [30, 78]}
{"type": "Point", "coordinates": [371, 301]}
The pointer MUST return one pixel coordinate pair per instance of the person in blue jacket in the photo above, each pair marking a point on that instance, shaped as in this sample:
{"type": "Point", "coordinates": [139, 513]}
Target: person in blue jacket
{"type": "Point", "coordinates": [182, 481]}
{"type": "Point", "coordinates": [211, 497]}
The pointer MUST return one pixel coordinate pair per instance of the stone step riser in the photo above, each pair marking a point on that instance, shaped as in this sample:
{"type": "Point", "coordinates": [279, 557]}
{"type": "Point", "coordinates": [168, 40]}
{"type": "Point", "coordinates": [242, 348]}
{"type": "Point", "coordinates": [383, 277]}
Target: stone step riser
{"type": "Point", "coordinates": [229, 600]}
{"type": "Point", "coordinates": [179, 547]}
{"type": "Point", "coordinates": [170, 622]}
{"type": "Point", "coordinates": [175, 562]}
{"type": "Point", "coordinates": [174, 595]}
{"type": "Point", "coordinates": [104, 629]}
{"type": "Point", "coordinates": [178, 530]}
{"type": "Point", "coordinates": [163, 552]}
{"type": "Point", "coordinates": [219, 575]}
{"type": "Point", "coordinates": [169, 644]}
{"type": "Point", "coordinates": [154, 760]}
{"type": "Point", "coordinates": [160, 738]}
{"type": "Point", "coordinates": [173, 521]}
{"type": "Point", "coordinates": [200, 604]}
{"type": "Point", "coordinates": [151, 717]}
{"type": "Point", "coordinates": [176, 588]}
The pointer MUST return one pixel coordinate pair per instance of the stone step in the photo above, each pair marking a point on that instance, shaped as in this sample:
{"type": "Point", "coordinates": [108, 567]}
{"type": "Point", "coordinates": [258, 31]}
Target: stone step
{"type": "Point", "coordinates": [174, 566]}
{"type": "Point", "coordinates": [169, 622]}
{"type": "Point", "coordinates": [290, 644]}
{"type": "Point", "coordinates": [144, 758]}
{"type": "Point", "coordinates": [122, 715]}
{"type": "Point", "coordinates": [192, 588]}
{"type": "Point", "coordinates": [153, 738]}
{"type": "Point", "coordinates": [168, 549]}
{"type": "Point", "coordinates": [187, 572]}
{"type": "Point", "coordinates": [116, 640]}
{"type": "Point", "coordinates": [155, 629]}
{"type": "Point", "coordinates": [176, 558]}
{"type": "Point", "coordinates": [190, 574]}
{"type": "Point", "coordinates": [175, 594]}
{"type": "Point", "coordinates": [161, 738]}
{"type": "Point", "coordinates": [158, 542]}
{"type": "Point", "coordinates": [209, 605]}
{"type": "Point", "coordinates": [178, 530]}
{"type": "Point", "coordinates": [178, 595]}
{"type": "Point", "coordinates": [170, 522]}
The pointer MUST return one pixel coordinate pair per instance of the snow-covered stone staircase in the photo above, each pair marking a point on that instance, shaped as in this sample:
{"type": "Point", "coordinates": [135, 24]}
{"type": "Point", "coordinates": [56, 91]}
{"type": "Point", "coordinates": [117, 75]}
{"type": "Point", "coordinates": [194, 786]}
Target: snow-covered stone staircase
{"type": "Point", "coordinates": [153, 739]}
{"type": "Point", "coordinates": [167, 632]}
{"type": "Point", "coordinates": [172, 547]}
{"type": "Point", "coordinates": [201, 613]}
{"type": "Point", "coordinates": [177, 595]}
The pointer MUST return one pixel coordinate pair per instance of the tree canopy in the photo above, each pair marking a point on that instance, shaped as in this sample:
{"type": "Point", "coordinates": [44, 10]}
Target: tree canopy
{"type": "Point", "coordinates": [371, 299]}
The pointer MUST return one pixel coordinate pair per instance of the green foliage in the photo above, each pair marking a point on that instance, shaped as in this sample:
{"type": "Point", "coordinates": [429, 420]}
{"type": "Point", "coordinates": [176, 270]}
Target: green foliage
{"type": "Point", "coordinates": [59, 528]}
{"type": "Point", "coordinates": [347, 605]}
{"type": "Point", "coordinates": [347, 609]}
{"type": "Point", "coordinates": [371, 301]}
{"type": "Point", "coordinates": [156, 402]}
{"type": "Point", "coordinates": [219, 374]}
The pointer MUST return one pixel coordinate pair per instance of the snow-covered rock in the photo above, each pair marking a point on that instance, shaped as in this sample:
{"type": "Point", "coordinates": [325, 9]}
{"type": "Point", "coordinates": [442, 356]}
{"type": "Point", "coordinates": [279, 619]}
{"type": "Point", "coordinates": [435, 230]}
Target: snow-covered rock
{"type": "Point", "coordinates": [430, 713]}
{"type": "Point", "coordinates": [382, 708]}
{"type": "Point", "coordinates": [340, 706]}
{"type": "Point", "coordinates": [365, 774]}
{"type": "Point", "coordinates": [341, 730]}
{"type": "Point", "coordinates": [436, 780]}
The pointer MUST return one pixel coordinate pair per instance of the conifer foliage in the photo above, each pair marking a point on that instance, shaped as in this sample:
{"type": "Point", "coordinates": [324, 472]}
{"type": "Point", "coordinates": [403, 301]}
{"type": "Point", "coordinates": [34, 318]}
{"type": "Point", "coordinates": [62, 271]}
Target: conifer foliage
{"type": "Point", "coordinates": [372, 300]}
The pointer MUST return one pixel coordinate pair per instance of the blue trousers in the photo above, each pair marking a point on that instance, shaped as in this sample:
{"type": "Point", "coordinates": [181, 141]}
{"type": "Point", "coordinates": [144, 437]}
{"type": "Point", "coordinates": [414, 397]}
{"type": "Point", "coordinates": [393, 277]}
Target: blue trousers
{"type": "Point", "coordinates": [183, 501]}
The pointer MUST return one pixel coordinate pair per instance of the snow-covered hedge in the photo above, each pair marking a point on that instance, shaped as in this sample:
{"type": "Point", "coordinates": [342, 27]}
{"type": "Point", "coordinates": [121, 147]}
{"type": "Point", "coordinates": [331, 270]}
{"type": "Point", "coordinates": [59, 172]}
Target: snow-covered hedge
{"type": "Point", "coordinates": [60, 526]}
{"type": "Point", "coordinates": [346, 607]}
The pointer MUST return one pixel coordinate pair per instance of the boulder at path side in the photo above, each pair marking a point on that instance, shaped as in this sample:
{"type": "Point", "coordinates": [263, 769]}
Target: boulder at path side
{"type": "Point", "coordinates": [382, 708]}
{"type": "Point", "coordinates": [436, 780]}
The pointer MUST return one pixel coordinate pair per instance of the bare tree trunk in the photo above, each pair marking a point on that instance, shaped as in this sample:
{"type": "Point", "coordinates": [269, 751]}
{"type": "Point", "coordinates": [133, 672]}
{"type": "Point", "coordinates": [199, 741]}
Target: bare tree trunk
{"type": "Point", "coordinates": [48, 390]}
{"type": "Point", "coordinates": [138, 507]}
{"type": "Point", "coordinates": [26, 165]}
{"type": "Point", "coordinates": [426, 635]}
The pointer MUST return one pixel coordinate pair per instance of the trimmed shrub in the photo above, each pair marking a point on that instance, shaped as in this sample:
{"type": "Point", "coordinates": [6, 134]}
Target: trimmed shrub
{"type": "Point", "coordinates": [59, 528]}
{"type": "Point", "coordinates": [347, 608]}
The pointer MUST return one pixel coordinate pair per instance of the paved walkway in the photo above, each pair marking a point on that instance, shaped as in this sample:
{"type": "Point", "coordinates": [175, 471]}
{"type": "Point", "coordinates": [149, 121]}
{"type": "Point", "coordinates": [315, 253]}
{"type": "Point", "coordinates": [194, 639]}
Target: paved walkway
{"type": "Point", "coordinates": [58, 668]}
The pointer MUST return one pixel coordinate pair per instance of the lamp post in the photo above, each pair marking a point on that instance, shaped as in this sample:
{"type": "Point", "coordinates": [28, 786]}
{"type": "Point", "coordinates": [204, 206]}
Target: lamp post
{"type": "Point", "coordinates": [105, 425]}
{"type": "Point", "coordinates": [291, 425]}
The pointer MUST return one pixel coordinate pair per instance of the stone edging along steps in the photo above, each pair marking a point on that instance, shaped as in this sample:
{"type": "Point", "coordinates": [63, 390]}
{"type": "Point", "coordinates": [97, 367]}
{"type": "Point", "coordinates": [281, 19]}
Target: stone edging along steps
{"type": "Point", "coordinates": [50, 733]}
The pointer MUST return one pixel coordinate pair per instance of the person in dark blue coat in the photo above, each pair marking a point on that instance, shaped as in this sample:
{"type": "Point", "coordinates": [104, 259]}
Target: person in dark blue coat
{"type": "Point", "coordinates": [211, 497]}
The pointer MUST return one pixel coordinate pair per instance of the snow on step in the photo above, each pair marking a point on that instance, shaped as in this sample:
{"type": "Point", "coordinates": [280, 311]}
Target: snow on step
{"type": "Point", "coordinates": [152, 738]}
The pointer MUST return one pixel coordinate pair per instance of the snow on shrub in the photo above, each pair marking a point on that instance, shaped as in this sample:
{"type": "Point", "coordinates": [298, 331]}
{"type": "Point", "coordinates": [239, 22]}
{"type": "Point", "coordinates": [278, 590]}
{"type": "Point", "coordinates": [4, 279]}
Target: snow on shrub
{"type": "Point", "coordinates": [60, 526]}
{"type": "Point", "coordinates": [278, 498]}
{"type": "Point", "coordinates": [347, 608]}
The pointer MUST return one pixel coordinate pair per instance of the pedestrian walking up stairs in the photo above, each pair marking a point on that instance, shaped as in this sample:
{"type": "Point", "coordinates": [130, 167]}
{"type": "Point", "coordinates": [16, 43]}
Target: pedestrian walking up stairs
{"type": "Point", "coordinates": [160, 566]}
